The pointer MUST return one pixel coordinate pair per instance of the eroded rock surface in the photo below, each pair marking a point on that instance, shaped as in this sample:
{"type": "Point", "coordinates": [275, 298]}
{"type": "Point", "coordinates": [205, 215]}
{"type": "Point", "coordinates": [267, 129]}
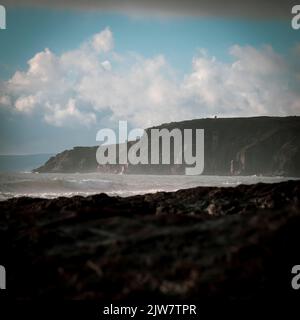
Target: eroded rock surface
{"type": "Point", "coordinates": [229, 243]}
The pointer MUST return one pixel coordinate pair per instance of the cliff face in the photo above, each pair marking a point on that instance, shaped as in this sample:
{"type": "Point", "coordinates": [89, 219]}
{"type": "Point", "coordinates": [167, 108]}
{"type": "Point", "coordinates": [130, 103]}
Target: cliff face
{"type": "Point", "coordinates": [238, 146]}
{"type": "Point", "coordinates": [248, 146]}
{"type": "Point", "coordinates": [79, 159]}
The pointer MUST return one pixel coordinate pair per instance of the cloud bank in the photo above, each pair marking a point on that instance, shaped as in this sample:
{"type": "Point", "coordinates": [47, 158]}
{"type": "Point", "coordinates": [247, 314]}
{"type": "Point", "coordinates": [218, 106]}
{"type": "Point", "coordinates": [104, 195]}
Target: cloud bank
{"type": "Point", "coordinates": [78, 87]}
{"type": "Point", "coordinates": [230, 8]}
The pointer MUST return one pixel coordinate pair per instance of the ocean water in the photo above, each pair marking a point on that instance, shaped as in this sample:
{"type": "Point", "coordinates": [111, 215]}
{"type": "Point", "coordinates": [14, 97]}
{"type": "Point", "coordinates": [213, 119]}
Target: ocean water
{"type": "Point", "coordinates": [51, 185]}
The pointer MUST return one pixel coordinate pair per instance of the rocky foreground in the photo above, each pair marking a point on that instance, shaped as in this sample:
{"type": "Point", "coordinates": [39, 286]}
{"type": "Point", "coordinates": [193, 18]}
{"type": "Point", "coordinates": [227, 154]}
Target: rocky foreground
{"type": "Point", "coordinates": [190, 245]}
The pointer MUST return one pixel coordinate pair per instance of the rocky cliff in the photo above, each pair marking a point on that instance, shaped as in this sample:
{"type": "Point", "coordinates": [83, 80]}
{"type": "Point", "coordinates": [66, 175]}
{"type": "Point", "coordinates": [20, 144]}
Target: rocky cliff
{"type": "Point", "coordinates": [233, 146]}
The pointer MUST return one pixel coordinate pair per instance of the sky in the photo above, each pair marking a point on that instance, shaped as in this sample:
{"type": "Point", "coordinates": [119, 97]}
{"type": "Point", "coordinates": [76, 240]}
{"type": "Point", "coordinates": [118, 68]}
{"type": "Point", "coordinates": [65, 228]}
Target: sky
{"type": "Point", "coordinates": [67, 71]}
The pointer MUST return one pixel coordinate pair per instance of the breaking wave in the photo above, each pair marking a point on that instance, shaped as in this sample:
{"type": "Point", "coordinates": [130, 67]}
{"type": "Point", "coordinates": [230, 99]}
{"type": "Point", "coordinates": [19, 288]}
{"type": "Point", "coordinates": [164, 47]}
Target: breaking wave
{"type": "Point", "coordinates": [55, 185]}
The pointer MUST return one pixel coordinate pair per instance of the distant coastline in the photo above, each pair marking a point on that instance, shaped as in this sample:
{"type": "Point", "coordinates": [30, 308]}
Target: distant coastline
{"type": "Point", "coordinates": [267, 146]}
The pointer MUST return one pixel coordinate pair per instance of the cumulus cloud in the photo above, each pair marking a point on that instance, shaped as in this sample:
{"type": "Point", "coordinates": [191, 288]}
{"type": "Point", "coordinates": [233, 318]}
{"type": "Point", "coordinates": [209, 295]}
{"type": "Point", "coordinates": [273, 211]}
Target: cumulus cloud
{"type": "Point", "coordinates": [26, 104]}
{"type": "Point", "coordinates": [234, 8]}
{"type": "Point", "coordinates": [257, 82]}
{"type": "Point", "coordinates": [103, 41]}
{"type": "Point", "coordinates": [79, 86]}
{"type": "Point", "coordinates": [5, 100]}
{"type": "Point", "coordinates": [59, 115]}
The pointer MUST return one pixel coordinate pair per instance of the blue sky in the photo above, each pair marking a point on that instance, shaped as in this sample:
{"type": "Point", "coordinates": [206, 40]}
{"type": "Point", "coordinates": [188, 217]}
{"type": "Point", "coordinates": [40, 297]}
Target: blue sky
{"type": "Point", "coordinates": [30, 30]}
{"type": "Point", "coordinates": [178, 39]}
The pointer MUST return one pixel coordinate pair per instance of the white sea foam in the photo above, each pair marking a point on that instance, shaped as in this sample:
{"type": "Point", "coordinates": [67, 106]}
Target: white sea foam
{"type": "Point", "coordinates": [67, 185]}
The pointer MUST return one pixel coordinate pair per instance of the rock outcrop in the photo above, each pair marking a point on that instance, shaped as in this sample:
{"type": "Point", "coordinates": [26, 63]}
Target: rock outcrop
{"type": "Point", "coordinates": [233, 146]}
{"type": "Point", "coordinates": [191, 245]}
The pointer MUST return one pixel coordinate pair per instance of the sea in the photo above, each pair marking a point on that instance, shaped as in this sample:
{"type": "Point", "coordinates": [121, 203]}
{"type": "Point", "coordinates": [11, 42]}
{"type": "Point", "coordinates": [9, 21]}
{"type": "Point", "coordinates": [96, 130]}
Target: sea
{"type": "Point", "coordinates": [52, 185]}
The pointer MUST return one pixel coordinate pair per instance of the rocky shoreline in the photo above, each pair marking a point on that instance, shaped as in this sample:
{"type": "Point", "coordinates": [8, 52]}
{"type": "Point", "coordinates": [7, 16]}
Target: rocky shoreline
{"type": "Point", "coordinates": [202, 243]}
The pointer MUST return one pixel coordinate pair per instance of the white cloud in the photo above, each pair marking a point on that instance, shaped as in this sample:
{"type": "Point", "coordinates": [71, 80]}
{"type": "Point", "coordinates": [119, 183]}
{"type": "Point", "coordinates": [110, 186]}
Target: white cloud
{"type": "Point", "coordinates": [80, 85]}
{"type": "Point", "coordinates": [103, 41]}
{"type": "Point", "coordinates": [5, 101]}
{"type": "Point", "coordinates": [26, 104]}
{"type": "Point", "coordinates": [106, 65]}
{"type": "Point", "coordinates": [257, 82]}
{"type": "Point", "coordinates": [60, 115]}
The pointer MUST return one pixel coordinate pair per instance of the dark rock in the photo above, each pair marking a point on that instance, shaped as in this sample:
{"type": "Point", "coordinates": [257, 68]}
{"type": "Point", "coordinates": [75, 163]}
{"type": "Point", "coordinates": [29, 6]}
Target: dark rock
{"type": "Point", "coordinates": [202, 243]}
